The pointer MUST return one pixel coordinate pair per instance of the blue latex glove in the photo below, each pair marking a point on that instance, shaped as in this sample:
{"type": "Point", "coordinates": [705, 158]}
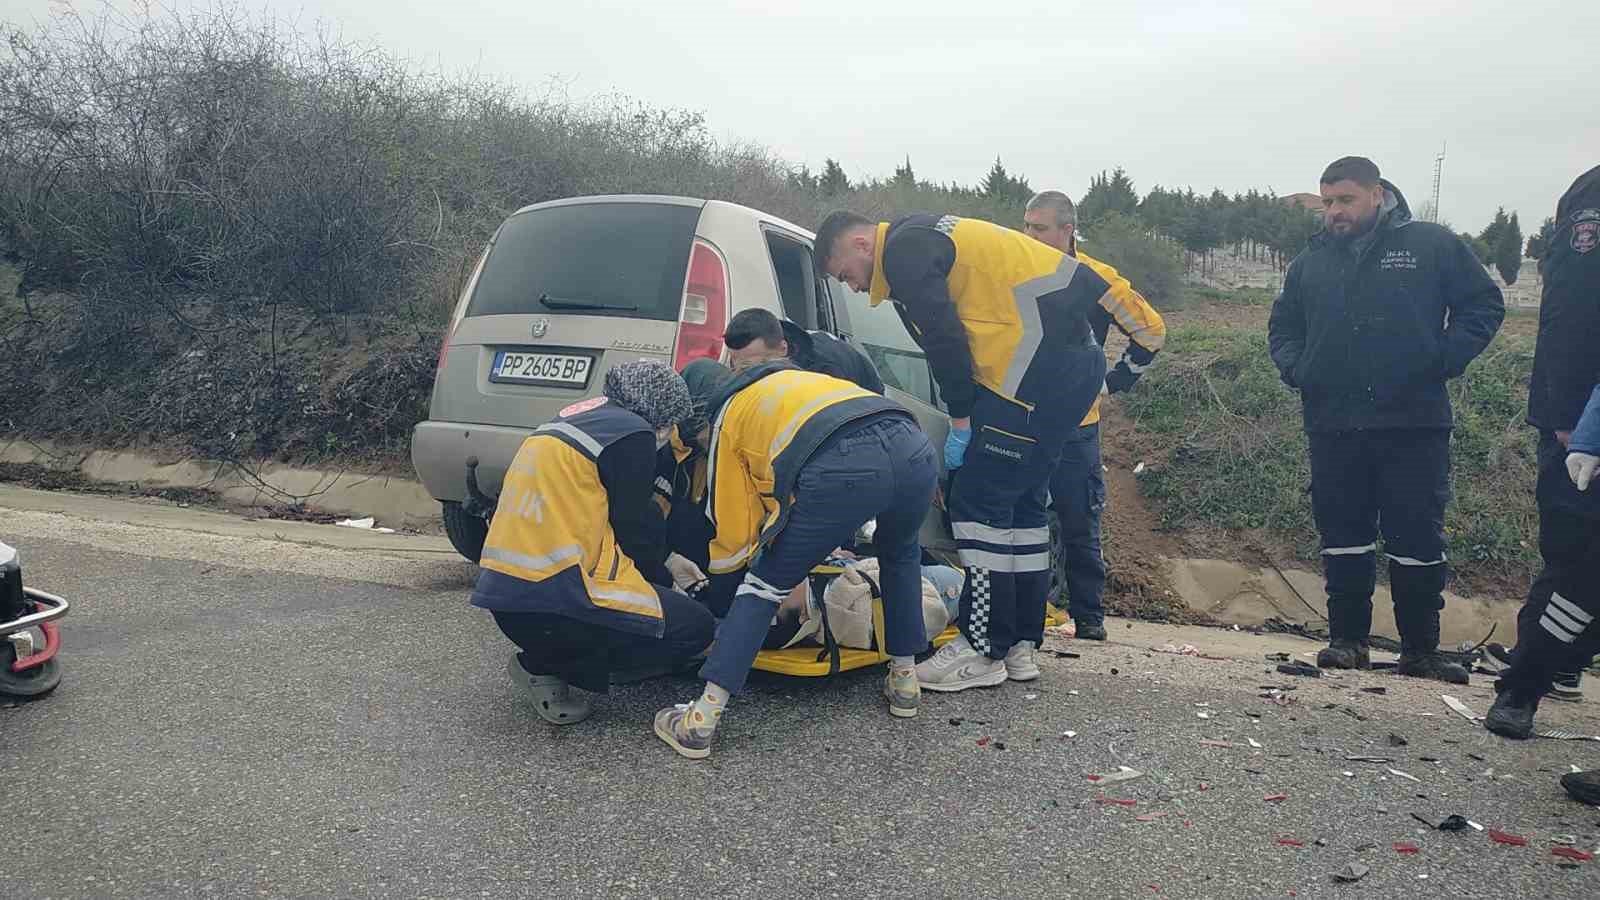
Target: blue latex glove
{"type": "Point", "coordinates": [955, 447]}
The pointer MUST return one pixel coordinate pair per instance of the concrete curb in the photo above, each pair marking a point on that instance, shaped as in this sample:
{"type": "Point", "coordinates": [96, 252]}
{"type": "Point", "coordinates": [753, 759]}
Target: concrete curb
{"type": "Point", "coordinates": [395, 502]}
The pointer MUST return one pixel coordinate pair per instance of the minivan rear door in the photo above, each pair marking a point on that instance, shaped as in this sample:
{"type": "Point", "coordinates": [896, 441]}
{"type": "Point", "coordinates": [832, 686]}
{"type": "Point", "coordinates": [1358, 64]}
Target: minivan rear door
{"type": "Point", "coordinates": [568, 290]}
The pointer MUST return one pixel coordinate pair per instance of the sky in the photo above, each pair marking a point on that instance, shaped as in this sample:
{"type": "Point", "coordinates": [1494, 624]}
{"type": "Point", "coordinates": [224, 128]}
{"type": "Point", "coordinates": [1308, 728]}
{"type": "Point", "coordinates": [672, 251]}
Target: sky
{"type": "Point", "coordinates": [1234, 95]}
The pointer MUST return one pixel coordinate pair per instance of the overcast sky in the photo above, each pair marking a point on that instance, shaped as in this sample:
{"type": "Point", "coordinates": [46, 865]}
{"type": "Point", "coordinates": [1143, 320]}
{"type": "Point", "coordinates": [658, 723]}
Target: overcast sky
{"type": "Point", "coordinates": [1229, 94]}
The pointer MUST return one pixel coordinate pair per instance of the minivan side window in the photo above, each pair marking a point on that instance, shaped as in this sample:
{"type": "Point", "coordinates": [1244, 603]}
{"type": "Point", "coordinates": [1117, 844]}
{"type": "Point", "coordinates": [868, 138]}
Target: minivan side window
{"type": "Point", "coordinates": [797, 285]}
{"type": "Point", "coordinates": [878, 331]}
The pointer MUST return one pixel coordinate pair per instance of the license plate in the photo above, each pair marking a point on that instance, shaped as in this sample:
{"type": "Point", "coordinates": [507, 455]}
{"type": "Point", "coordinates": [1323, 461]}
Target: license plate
{"type": "Point", "coordinates": [564, 369]}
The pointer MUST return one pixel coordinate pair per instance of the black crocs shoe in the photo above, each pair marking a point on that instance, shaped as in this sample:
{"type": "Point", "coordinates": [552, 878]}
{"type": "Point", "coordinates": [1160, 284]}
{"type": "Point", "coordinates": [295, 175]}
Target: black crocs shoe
{"type": "Point", "coordinates": [1091, 631]}
{"type": "Point", "coordinates": [1343, 654]}
{"type": "Point", "coordinates": [1512, 715]}
{"type": "Point", "coordinates": [1432, 666]}
{"type": "Point", "coordinates": [1583, 787]}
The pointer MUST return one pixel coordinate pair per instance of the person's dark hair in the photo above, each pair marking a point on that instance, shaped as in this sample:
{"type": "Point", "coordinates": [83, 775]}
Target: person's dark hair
{"type": "Point", "coordinates": [1359, 169]}
{"type": "Point", "coordinates": [832, 228]}
{"type": "Point", "coordinates": [750, 324]}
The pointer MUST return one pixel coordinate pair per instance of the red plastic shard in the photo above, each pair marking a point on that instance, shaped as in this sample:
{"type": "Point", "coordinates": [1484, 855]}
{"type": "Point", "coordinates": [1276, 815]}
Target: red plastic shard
{"type": "Point", "coordinates": [1291, 842]}
{"type": "Point", "coordinates": [1500, 837]}
{"type": "Point", "coordinates": [1407, 848]}
{"type": "Point", "coordinates": [1571, 853]}
{"type": "Point", "coordinates": [1114, 801]}
{"type": "Point", "coordinates": [984, 741]}
{"type": "Point", "coordinates": [1188, 824]}
{"type": "Point", "coordinates": [1092, 777]}
{"type": "Point", "coordinates": [1204, 786]}
{"type": "Point", "coordinates": [1274, 798]}
{"type": "Point", "coordinates": [1150, 817]}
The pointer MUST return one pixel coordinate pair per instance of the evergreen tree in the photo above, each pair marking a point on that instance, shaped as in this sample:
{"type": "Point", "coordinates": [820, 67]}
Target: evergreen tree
{"type": "Point", "coordinates": [1539, 242]}
{"type": "Point", "coordinates": [1109, 194]}
{"type": "Point", "coordinates": [903, 176]}
{"type": "Point", "coordinates": [833, 181]}
{"type": "Point", "coordinates": [1491, 233]}
{"type": "Point", "coordinates": [1508, 252]}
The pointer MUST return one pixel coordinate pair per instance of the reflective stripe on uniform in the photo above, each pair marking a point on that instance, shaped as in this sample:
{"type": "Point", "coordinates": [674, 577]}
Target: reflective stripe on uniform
{"type": "Point", "coordinates": [754, 586]}
{"type": "Point", "coordinates": [977, 531]}
{"type": "Point", "coordinates": [533, 563]}
{"type": "Point", "coordinates": [627, 601]}
{"type": "Point", "coordinates": [585, 441]}
{"type": "Point", "coordinates": [1350, 551]}
{"type": "Point", "coordinates": [729, 563]}
{"type": "Point", "coordinates": [1027, 296]}
{"type": "Point", "coordinates": [1023, 536]}
{"type": "Point", "coordinates": [805, 413]}
{"type": "Point", "coordinates": [1408, 561]}
{"type": "Point", "coordinates": [1571, 609]}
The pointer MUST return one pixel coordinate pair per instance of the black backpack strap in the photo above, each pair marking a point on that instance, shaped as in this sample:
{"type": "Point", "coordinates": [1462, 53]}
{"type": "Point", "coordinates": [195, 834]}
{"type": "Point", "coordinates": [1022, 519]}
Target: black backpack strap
{"type": "Point", "coordinates": [830, 647]}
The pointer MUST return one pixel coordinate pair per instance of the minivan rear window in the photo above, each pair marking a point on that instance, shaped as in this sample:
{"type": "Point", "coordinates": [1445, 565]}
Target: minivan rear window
{"type": "Point", "coordinates": [595, 259]}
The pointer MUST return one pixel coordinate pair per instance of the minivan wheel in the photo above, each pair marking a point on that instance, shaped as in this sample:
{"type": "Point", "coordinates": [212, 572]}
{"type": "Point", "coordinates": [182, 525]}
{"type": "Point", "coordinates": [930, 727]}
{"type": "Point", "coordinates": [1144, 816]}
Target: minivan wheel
{"type": "Point", "coordinates": [467, 532]}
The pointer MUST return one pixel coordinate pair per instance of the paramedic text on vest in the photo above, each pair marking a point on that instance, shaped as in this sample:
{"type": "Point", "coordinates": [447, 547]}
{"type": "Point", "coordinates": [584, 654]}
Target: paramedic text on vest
{"type": "Point", "coordinates": [1003, 320]}
{"type": "Point", "coordinates": [1078, 486]}
{"type": "Point", "coordinates": [574, 526]}
{"type": "Point", "coordinates": [1376, 314]}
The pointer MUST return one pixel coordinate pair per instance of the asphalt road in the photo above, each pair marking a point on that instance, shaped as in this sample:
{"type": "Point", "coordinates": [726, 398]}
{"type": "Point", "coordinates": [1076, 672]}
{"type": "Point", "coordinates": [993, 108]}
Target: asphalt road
{"type": "Point", "coordinates": [248, 715]}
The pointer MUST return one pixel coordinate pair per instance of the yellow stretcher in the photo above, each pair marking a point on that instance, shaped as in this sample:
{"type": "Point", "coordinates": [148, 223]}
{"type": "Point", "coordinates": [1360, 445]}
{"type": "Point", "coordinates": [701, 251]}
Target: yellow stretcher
{"type": "Point", "coordinates": [814, 662]}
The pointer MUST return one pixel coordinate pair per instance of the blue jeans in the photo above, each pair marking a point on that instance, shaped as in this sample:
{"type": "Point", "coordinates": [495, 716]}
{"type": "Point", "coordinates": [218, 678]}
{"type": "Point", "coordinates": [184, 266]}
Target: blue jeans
{"type": "Point", "coordinates": [1078, 497]}
{"type": "Point", "coordinates": [884, 469]}
{"type": "Point", "coordinates": [948, 581]}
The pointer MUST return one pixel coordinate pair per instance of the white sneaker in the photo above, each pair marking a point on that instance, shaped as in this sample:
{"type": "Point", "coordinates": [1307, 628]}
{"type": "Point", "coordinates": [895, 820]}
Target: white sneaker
{"type": "Point", "coordinates": [957, 667]}
{"type": "Point", "coordinates": [1020, 664]}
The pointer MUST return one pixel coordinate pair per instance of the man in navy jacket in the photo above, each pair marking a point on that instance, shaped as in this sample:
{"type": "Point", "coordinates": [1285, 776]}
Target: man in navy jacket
{"type": "Point", "coordinates": [1375, 316]}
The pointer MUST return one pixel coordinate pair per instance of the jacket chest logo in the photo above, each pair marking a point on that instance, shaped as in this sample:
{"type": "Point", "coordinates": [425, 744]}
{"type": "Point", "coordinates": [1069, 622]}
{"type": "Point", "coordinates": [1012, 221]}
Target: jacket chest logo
{"type": "Point", "coordinates": [1586, 231]}
{"type": "Point", "coordinates": [1397, 259]}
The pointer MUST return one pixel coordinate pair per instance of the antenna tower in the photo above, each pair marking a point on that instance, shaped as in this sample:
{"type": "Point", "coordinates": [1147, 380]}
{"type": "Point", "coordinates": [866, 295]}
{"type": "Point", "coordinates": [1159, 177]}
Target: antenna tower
{"type": "Point", "coordinates": [1438, 169]}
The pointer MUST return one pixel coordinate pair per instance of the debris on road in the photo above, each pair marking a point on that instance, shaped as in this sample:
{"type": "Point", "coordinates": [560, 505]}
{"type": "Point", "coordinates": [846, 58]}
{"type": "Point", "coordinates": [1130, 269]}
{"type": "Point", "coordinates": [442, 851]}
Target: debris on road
{"type": "Point", "coordinates": [1571, 853]}
{"type": "Point", "coordinates": [1254, 743]}
{"type": "Point", "coordinates": [1399, 774]}
{"type": "Point", "coordinates": [1223, 744]}
{"type": "Point", "coordinates": [1564, 839]}
{"type": "Point", "coordinates": [1406, 847]}
{"type": "Point", "coordinates": [1351, 872]}
{"type": "Point", "coordinates": [984, 741]}
{"type": "Point", "coordinates": [1150, 817]}
{"type": "Point", "coordinates": [1069, 734]}
{"type": "Point", "coordinates": [1396, 740]}
{"type": "Point", "coordinates": [1454, 822]}
{"type": "Point", "coordinates": [1368, 759]}
{"type": "Point", "coordinates": [1123, 773]}
{"type": "Point", "coordinates": [1374, 690]}
{"type": "Point", "coordinates": [1291, 842]}
{"type": "Point", "coordinates": [366, 524]}
{"type": "Point", "coordinates": [1103, 800]}
{"type": "Point", "coordinates": [1512, 840]}
{"type": "Point", "coordinates": [1299, 668]}
{"type": "Point", "coordinates": [1274, 798]}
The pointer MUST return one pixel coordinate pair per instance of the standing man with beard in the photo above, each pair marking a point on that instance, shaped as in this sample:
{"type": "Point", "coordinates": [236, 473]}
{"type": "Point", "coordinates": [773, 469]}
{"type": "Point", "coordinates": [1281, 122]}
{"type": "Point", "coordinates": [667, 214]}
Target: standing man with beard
{"type": "Point", "coordinates": [1375, 316]}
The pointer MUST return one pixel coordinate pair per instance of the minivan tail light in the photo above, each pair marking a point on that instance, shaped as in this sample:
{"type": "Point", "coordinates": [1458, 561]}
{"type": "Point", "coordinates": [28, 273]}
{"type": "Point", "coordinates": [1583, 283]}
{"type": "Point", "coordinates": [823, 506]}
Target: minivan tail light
{"type": "Point", "coordinates": [705, 307]}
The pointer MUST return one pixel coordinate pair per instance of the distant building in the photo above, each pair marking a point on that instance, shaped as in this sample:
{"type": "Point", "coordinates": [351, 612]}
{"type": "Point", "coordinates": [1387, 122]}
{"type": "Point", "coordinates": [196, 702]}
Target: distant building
{"type": "Point", "coordinates": [1312, 202]}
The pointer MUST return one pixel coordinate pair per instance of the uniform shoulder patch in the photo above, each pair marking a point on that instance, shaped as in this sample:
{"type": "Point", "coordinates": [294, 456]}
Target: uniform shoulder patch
{"type": "Point", "coordinates": [947, 224]}
{"type": "Point", "coordinates": [583, 406]}
{"type": "Point", "coordinates": [1586, 230]}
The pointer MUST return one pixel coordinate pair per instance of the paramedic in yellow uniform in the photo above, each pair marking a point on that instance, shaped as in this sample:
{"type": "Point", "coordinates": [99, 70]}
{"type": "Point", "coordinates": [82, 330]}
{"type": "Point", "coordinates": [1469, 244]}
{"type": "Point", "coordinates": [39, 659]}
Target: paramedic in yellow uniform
{"type": "Point", "coordinates": [1003, 320]}
{"type": "Point", "coordinates": [571, 568]}
{"type": "Point", "coordinates": [1078, 487]}
{"type": "Point", "coordinates": [797, 462]}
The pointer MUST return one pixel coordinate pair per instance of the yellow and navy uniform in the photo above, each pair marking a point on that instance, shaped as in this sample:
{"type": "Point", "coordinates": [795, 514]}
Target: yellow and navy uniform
{"type": "Point", "coordinates": [1134, 317]}
{"type": "Point", "coordinates": [765, 425]}
{"type": "Point", "coordinates": [551, 546]}
{"type": "Point", "coordinates": [680, 492]}
{"type": "Point", "coordinates": [987, 304]}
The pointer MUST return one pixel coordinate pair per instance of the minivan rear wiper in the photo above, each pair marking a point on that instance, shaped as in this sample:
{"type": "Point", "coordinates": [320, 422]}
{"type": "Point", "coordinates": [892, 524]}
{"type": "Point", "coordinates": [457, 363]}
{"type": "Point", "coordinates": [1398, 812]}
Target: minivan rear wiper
{"type": "Point", "coordinates": [562, 303]}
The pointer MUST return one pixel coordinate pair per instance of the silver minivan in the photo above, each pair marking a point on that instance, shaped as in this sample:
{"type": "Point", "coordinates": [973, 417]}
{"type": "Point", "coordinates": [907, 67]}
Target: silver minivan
{"type": "Point", "coordinates": [569, 288]}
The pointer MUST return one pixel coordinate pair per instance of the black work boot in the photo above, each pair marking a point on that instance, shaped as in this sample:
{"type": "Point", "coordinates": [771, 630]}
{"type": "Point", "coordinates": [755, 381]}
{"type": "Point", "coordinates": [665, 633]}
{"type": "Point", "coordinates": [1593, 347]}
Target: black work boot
{"type": "Point", "coordinates": [1430, 664]}
{"type": "Point", "coordinates": [1344, 654]}
{"type": "Point", "coordinates": [1512, 714]}
{"type": "Point", "coordinates": [1419, 645]}
{"type": "Point", "coordinates": [1091, 631]}
{"type": "Point", "coordinates": [1583, 787]}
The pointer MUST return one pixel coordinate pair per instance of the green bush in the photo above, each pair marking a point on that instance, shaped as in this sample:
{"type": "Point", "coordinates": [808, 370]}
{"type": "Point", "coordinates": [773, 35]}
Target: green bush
{"type": "Point", "coordinates": [1153, 266]}
{"type": "Point", "coordinates": [1233, 453]}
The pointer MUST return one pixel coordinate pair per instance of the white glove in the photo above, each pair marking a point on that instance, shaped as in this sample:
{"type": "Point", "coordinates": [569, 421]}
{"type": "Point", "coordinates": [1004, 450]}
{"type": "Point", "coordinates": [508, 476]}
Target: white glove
{"type": "Point", "coordinates": [685, 574]}
{"type": "Point", "coordinates": [1581, 468]}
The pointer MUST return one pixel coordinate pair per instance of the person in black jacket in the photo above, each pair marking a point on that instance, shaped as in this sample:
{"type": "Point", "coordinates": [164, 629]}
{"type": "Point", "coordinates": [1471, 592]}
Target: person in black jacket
{"type": "Point", "coordinates": [1375, 316]}
{"type": "Point", "coordinates": [1556, 629]}
{"type": "Point", "coordinates": [756, 336]}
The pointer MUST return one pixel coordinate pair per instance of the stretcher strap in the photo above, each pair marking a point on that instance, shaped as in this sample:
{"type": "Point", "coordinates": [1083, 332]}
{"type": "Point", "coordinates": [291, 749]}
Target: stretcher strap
{"type": "Point", "coordinates": [830, 647]}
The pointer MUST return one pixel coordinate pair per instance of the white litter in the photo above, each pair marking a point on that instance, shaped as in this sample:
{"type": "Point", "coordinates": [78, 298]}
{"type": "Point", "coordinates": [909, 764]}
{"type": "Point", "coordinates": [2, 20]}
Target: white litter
{"type": "Point", "coordinates": [1139, 469]}
{"type": "Point", "coordinates": [1348, 774]}
{"type": "Point", "coordinates": [1123, 773]}
{"type": "Point", "coordinates": [1399, 774]}
{"type": "Point", "coordinates": [1069, 734]}
{"type": "Point", "coordinates": [1030, 696]}
{"type": "Point", "coordinates": [1254, 743]}
{"type": "Point", "coordinates": [1204, 715]}
{"type": "Point", "coordinates": [365, 524]}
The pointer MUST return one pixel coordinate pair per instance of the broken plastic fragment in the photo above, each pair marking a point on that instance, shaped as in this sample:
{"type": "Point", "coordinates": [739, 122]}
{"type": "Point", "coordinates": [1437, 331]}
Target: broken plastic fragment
{"type": "Point", "coordinates": [1351, 872]}
{"type": "Point", "coordinates": [1299, 668]}
{"type": "Point", "coordinates": [1069, 734]}
{"type": "Point", "coordinates": [1223, 744]}
{"type": "Point", "coordinates": [1571, 853]}
{"type": "Point", "coordinates": [1123, 773]}
{"type": "Point", "coordinates": [1454, 823]}
{"type": "Point", "coordinates": [1291, 842]}
{"type": "Point", "coordinates": [984, 741]}
{"type": "Point", "coordinates": [1399, 774]}
{"type": "Point", "coordinates": [1103, 800]}
{"type": "Point", "coordinates": [1500, 837]}
{"type": "Point", "coordinates": [1564, 839]}
{"type": "Point", "coordinates": [1406, 847]}
{"type": "Point", "coordinates": [1254, 743]}
{"type": "Point", "coordinates": [1150, 817]}
{"type": "Point", "coordinates": [1396, 740]}
{"type": "Point", "coordinates": [1274, 798]}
